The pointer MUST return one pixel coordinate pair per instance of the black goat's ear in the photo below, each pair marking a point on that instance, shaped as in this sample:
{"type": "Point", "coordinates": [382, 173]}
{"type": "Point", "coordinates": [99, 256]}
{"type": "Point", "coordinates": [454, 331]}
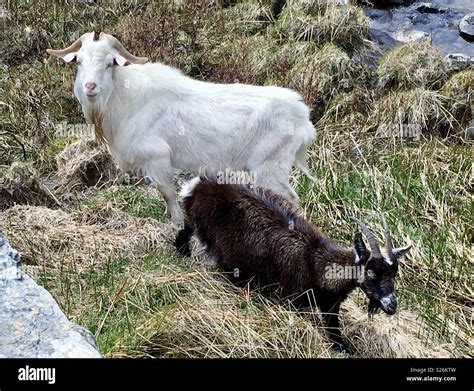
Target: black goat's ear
{"type": "Point", "coordinates": [400, 252]}
{"type": "Point", "coordinates": [362, 254]}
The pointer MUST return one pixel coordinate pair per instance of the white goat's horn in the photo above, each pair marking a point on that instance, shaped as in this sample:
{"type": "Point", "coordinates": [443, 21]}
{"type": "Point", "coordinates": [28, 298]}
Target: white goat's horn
{"type": "Point", "coordinates": [121, 50]}
{"type": "Point", "coordinates": [388, 236]}
{"type": "Point", "coordinates": [73, 48]}
{"type": "Point", "coordinates": [374, 245]}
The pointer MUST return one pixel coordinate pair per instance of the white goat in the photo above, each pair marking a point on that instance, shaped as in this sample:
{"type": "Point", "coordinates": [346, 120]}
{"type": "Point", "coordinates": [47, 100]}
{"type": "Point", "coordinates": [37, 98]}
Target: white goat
{"type": "Point", "coordinates": [155, 119]}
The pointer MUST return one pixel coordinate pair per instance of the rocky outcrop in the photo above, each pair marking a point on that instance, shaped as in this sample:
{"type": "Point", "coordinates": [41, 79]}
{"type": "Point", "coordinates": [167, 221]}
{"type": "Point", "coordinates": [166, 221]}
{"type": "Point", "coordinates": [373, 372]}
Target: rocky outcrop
{"type": "Point", "coordinates": [466, 27]}
{"type": "Point", "coordinates": [31, 323]}
{"type": "Point", "coordinates": [449, 28]}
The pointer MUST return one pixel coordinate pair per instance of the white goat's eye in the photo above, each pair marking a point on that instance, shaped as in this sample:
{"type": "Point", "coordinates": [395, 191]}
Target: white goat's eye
{"type": "Point", "coordinates": [370, 273]}
{"type": "Point", "coordinates": [110, 65]}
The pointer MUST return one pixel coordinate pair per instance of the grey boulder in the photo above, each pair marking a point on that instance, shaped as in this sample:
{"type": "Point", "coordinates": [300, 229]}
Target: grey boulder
{"type": "Point", "coordinates": [31, 323]}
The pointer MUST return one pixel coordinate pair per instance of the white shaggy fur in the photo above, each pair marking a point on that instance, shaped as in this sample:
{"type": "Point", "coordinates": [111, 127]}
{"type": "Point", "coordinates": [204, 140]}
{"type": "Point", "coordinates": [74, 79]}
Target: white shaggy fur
{"type": "Point", "coordinates": [155, 120]}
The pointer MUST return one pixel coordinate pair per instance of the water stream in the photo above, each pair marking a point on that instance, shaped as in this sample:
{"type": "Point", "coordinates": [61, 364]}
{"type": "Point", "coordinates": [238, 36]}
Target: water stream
{"type": "Point", "coordinates": [438, 22]}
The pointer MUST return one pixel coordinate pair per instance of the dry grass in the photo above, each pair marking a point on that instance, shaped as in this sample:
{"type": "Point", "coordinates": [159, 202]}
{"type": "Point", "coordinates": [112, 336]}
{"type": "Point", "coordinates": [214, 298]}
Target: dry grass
{"type": "Point", "coordinates": [21, 183]}
{"type": "Point", "coordinates": [322, 75]}
{"type": "Point", "coordinates": [399, 337]}
{"type": "Point", "coordinates": [248, 18]}
{"type": "Point", "coordinates": [53, 238]}
{"type": "Point", "coordinates": [348, 112]}
{"type": "Point", "coordinates": [181, 308]}
{"type": "Point", "coordinates": [85, 163]}
{"type": "Point", "coordinates": [459, 94]}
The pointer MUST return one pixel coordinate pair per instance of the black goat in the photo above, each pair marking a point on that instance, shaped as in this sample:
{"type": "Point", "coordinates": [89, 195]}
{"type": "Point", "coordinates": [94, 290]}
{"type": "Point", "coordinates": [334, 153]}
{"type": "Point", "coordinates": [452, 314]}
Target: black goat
{"type": "Point", "coordinates": [255, 234]}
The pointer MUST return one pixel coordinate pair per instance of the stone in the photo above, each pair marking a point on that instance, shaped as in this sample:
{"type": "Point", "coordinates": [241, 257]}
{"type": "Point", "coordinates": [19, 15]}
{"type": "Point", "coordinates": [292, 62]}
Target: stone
{"type": "Point", "coordinates": [31, 323]}
{"type": "Point", "coordinates": [431, 8]}
{"type": "Point", "coordinates": [383, 39]}
{"type": "Point", "coordinates": [466, 27]}
{"type": "Point", "coordinates": [459, 61]}
{"type": "Point", "coordinates": [410, 35]}
{"type": "Point", "coordinates": [470, 129]}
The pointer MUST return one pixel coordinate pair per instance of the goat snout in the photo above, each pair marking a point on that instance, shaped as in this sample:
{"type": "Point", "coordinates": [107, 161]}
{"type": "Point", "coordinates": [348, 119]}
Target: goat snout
{"type": "Point", "coordinates": [91, 89]}
{"type": "Point", "coordinates": [389, 303]}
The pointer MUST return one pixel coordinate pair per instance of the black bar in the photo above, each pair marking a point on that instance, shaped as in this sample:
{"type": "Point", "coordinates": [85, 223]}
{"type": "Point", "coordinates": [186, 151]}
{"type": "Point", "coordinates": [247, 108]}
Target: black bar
{"type": "Point", "coordinates": [433, 374]}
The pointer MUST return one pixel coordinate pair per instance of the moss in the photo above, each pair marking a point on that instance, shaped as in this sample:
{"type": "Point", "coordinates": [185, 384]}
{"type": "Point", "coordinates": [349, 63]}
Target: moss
{"type": "Point", "coordinates": [415, 64]}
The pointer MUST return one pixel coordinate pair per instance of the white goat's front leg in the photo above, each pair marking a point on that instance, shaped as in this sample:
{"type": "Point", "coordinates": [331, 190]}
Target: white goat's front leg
{"type": "Point", "coordinates": [160, 171]}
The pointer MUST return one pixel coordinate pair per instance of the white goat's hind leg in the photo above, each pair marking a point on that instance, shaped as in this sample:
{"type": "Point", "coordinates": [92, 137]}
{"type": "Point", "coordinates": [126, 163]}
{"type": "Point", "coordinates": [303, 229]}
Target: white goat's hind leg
{"type": "Point", "coordinates": [160, 172]}
{"type": "Point", "coordinates": [278, 182]}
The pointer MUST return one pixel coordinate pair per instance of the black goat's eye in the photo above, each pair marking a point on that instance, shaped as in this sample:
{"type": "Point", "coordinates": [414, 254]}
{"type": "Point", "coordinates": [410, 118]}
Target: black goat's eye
{"type": "Point", "coordinates": [370, 273]}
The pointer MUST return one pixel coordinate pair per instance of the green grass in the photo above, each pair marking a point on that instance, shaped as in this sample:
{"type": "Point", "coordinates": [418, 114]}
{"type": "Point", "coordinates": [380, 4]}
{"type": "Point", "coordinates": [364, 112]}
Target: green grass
{"type": "Point", "coordinates": [133, 200]}
{"type": "Point", "coordinates": [115, 300]}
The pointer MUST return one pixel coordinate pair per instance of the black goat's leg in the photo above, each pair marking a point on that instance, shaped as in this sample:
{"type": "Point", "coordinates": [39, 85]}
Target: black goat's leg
{"type": "Point", "coordinates": [330, 313]}
{"type": "Point", "coordinates": [182, 240]}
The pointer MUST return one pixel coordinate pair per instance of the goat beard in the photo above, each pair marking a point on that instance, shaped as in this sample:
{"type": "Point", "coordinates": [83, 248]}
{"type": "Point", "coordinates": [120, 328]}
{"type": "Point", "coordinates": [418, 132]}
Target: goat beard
{"type": "Point", "coordinates": [374, 305]}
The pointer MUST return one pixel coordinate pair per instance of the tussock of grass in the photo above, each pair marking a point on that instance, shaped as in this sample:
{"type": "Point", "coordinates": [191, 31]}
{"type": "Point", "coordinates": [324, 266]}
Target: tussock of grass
{"type": "Point", "coordinates": [410, 112]}
{"type": "Point", "coordinates": [401, 337]}
{"type": "Point", "coordinates": [414, 64]}
{"type": "Point", "coordinates": [348, 111]}
{"type": "Point", "coordinates": [84, 163]}
{"type": "Point", "coordinates": [459, 94]}
{"type": "Point", "coordinates": [322, 75]}
{"type": "Point", "coordinates": [250, 17]}
{"type": "Point", "coordinates": [140, 202]}
{"type": "Point", "coordinates": [245, 60]}
{"type": "Point", "coordinates": [322, 22]}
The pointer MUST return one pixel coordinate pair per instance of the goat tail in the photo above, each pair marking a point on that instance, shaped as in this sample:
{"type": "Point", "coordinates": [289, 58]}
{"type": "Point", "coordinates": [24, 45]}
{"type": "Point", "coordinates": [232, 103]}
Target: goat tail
{"type": "Point", "coordinates": [188, 187]}
{"type": "Point", "coordinates": [301, 163]}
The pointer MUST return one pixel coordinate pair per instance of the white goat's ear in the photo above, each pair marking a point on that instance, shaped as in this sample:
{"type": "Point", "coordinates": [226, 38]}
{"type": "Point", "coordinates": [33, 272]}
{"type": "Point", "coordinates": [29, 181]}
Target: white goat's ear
{"type": "Point", "coordinates": [400, 251]}
{"type": "Point", "coordinates": [69, 57]}
{"type": "Point", "coordinates": [65, 57]}
{"type": "Point", "coordinates": [120, 60]}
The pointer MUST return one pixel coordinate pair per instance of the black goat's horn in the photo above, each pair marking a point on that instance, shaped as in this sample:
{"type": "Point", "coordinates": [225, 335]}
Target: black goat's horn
{"type": "Point", "coordinates": [388, 236]}
{"type": "Point", "coordinates": [374, 245]}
